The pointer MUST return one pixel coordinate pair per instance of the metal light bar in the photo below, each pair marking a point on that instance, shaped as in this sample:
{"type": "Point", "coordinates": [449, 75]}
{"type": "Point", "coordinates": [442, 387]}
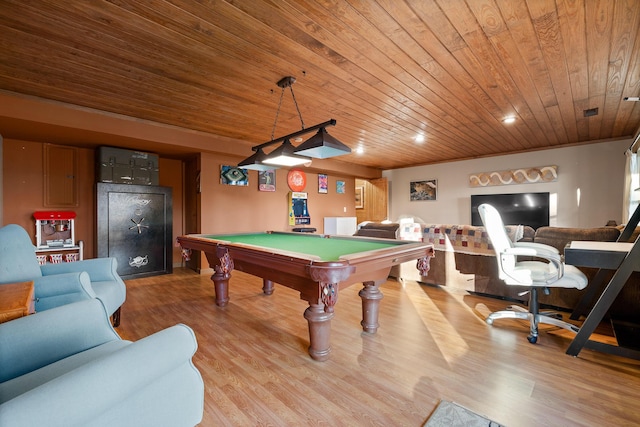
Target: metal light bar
{"type": "Point", "coordinates": [328, 123]}
{"type": "Point", "coordinates": [283, 155]}
{"type": "Point", "coordinates": [321, 145]}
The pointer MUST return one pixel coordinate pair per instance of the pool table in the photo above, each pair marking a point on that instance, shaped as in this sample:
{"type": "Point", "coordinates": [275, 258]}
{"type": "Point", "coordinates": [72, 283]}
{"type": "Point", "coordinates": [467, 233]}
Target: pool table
{"type": "Point", "coordinates": [316, 265]}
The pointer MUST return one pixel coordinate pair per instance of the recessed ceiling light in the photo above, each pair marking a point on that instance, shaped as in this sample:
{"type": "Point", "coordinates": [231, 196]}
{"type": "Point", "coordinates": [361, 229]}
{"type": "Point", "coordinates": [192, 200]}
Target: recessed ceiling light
{"type": "Point", "coordinates": [509, 120]}
{"type": "Point", "coordinates": [631, 98]}
{"type": "Point", "coordinates": [419, 138]}
{"type": "Point", "coordinates": [359, 150]}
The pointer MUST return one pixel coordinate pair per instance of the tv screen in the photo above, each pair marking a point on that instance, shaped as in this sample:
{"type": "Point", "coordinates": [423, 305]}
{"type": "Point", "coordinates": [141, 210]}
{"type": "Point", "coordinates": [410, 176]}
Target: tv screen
{"type": "Point", "coordinates": [530, 209]}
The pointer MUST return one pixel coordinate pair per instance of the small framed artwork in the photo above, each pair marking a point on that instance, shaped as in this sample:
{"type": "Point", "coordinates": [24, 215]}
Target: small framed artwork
{"type": "Point", "coordinates": [323, 183]}
{"type": "Point", "coordinates": [267, 180]}
{"type": "Point", "coordinates": [359, 197]}
{"type": "Point", "coordinates": [340, 187]}
{"type": "Point", "coordinates": [232, 175]}
{"type": "Point", "coordinates": [423, 190]}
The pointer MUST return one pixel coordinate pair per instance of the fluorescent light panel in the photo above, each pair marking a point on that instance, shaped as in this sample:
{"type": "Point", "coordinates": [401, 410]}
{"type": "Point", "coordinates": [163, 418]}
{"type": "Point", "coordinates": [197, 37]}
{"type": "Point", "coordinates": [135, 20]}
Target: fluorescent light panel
{"type": "Point", "coordinates": [254, 162]}
{"type": "Point", "coordinates": [285, 156]}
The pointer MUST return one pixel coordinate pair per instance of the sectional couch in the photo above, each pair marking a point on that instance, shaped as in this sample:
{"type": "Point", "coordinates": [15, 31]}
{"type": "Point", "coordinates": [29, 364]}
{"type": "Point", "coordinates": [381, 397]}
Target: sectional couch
{"type": "Point", "coordinates": [464, 259]}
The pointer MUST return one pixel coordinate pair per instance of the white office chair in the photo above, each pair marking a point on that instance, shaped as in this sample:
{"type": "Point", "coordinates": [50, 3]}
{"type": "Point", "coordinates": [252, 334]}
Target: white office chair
{"type": "Point", "coordinates": [530, 274]}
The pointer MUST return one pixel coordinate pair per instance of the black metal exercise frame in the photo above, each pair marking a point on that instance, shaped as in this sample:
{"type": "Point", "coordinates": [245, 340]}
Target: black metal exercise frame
{"type": "Point", "coordinates": [623, 265]}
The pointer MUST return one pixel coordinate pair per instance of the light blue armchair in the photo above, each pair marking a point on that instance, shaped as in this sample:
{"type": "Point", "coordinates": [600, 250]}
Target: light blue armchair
{"type": "Point", "coordinates": [68, 367]}
{"type": "Point", "coordinates": [59, 284]}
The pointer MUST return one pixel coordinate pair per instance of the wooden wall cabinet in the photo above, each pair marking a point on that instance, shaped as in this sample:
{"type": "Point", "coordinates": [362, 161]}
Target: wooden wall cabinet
{"type": "Point", "coordinates": [60, 176]}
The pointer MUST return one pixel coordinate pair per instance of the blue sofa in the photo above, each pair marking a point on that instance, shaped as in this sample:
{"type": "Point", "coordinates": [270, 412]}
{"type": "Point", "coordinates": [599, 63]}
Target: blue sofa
{"type": "Point", "coordinates": [59, 284]}
{"type": "Point", "coordinates": [68, 367]}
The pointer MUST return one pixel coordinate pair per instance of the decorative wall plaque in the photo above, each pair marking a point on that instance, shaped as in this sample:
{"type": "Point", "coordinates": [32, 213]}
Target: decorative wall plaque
{"type": "Point", "coordinates": [514, 176]}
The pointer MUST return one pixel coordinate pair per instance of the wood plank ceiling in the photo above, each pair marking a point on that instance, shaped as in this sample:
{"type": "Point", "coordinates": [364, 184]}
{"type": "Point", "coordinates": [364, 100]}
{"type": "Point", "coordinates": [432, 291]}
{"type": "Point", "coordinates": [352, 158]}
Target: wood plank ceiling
{"type": "Point", "coordinates": [386, 70]}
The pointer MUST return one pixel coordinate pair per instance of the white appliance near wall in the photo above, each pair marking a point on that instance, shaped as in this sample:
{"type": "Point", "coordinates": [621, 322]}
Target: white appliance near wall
{"type": "Point", "coordinates": [340, 225]}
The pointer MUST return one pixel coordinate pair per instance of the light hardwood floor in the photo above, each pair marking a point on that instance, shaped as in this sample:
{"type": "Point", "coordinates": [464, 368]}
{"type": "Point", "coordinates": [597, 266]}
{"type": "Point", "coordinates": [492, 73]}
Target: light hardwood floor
{"type": "Point", "coordinates": [432, 344]}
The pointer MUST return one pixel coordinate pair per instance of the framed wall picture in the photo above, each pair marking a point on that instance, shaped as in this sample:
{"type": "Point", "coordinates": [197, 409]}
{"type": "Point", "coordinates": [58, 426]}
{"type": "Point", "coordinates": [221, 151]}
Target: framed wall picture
{"type": "Point", "coordinates": [340, 187]}
{"type": "Point", "coordinates": [359, 197]}
{"type": "Point", "coordinates": [423, 190]}
{"type": "Point", "coordinates": [267, 180]}
{"type": "Point", "coordinates": [232, 175]}
{"type": "Point", "coordinates": [323, 183]}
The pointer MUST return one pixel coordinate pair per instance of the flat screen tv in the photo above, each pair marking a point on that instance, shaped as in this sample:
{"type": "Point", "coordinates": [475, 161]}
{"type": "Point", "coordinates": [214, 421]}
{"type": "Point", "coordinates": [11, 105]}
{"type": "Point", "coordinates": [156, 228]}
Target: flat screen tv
{"type": "Point", "coordinates": [530, 209]}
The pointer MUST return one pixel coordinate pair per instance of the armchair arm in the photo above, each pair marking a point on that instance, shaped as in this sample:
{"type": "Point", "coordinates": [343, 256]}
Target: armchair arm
{"type": "Point", "coordinates": [60, 289]}
{"type": "Point", "coordinates": [103, 280]}
{"type": "Point", "coordinates": [99, 269]}
{"type": "Point", "coordinates": [105, 385]}
{"type": "Point", "coordinates": [62, 284]}
{"type": "Point", "coordinates": [31, 342]}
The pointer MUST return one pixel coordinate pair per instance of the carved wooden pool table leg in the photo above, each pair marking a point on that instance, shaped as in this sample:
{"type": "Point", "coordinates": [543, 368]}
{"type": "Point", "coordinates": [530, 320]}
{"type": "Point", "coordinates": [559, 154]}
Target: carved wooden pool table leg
{"type": "Point", "coordinates": [267, 287]}
{"type": "Point", "coordinates": [221, 285]}
{"type": "Point", "coordinates": [222, 265]}
{"type": "Point", "coordinates": [371, 297]}
{"type": "Point", "coordinates": [319, 331]}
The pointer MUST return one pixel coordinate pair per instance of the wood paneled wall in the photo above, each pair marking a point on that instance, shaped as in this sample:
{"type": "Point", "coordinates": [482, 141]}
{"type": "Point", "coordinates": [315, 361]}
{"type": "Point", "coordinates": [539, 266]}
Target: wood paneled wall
{"type": "Point", "coordinates": [23, 189]}
{"type": "Point", "coordinates": [217, 208]}
{"type": "Point", "coordinates": [171, 175]}
{"type": "Point", "coordinates": [375, 203]}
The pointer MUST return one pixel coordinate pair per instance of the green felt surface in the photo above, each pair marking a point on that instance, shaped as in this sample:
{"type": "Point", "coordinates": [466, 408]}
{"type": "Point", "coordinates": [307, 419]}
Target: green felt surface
{"type": "Point", "coordinates": [330, 249]}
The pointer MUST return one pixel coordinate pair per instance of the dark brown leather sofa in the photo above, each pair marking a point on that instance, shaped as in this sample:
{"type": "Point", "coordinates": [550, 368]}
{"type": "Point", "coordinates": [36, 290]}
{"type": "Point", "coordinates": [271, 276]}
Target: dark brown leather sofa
{"type": "Point", "coordinates": [379, 230]}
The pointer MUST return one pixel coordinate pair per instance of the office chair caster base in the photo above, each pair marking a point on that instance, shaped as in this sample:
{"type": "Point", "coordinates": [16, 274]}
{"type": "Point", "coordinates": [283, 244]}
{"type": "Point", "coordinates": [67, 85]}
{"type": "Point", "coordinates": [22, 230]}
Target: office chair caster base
{"type": "Point", "coordinates": [532, 339]}
{"type": "Point", "coordinates": [551, 314]}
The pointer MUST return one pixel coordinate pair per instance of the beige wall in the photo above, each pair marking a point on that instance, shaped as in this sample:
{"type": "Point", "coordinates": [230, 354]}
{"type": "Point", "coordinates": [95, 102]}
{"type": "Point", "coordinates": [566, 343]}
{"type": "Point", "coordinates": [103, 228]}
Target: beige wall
{"type": "Point", "coordinates": [595, 170]}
